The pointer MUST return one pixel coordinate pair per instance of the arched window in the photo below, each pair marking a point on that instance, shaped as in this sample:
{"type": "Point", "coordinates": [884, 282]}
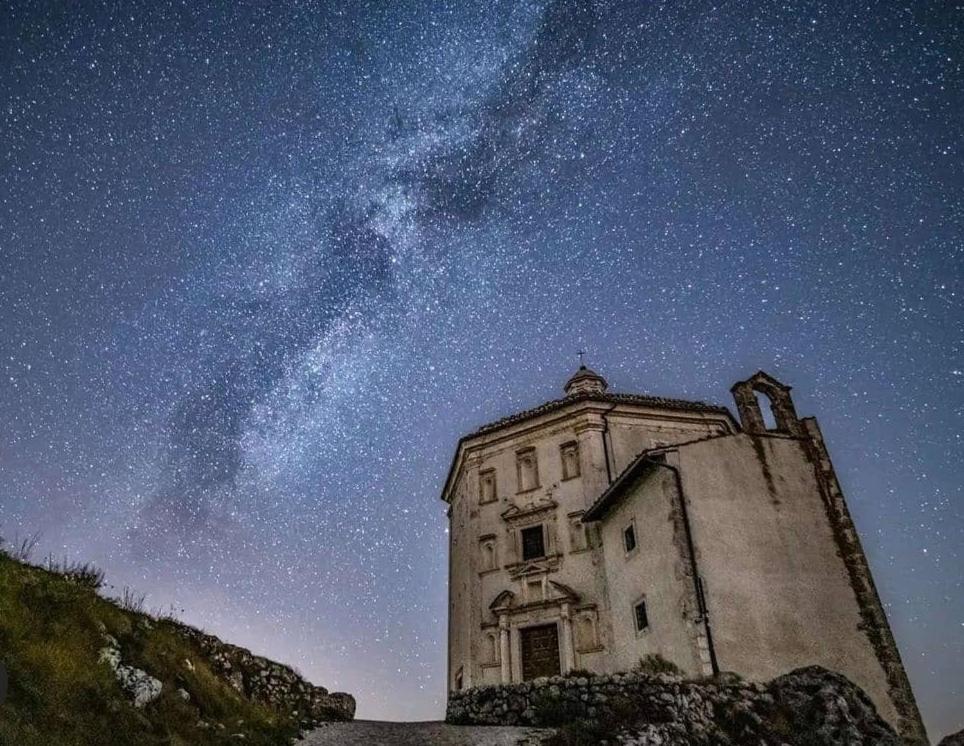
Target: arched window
{"type": "Point", "coordinates": [765, 405]}
{"type": "Point", "coordinates": [489, 560]}
{"type": "Point", "coordinates": [492, 647]}
{"type": "Point", "coordinates": [766, 409]}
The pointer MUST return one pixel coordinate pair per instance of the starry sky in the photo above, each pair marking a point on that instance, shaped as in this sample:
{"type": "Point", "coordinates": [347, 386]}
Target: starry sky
{"type": "Point", "coordinates": [261, 264]}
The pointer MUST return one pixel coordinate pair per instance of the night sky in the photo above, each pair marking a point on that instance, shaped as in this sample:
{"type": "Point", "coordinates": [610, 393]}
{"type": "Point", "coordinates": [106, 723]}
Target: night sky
{"type": "Point", "coordinates": [261, 265]}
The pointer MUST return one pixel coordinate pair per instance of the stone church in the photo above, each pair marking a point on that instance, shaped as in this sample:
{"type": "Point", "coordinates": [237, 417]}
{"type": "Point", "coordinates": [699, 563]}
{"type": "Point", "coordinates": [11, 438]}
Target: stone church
{"type": "Point", "coordinates": [601, 528]}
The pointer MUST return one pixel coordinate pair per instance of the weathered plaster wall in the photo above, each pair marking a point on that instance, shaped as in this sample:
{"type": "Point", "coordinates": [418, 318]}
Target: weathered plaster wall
{"type": "Point", "coordinates": [656, 570]}
{"type": "Point", "coordinates": [778, 593]}
{"type": "Point", "coordinates": [461, 562]}
{"type": "Point", "coordinates": [629, 437]}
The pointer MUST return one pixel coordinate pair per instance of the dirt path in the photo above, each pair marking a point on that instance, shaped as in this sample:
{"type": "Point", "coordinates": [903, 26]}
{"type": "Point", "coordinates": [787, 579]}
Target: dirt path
{"type": "Point", "coordinates": [377, 733]}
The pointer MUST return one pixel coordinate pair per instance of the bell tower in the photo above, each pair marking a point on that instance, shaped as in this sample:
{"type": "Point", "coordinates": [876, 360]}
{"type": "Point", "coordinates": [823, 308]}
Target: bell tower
{"type": "Point", "coordinates": [585, 381]}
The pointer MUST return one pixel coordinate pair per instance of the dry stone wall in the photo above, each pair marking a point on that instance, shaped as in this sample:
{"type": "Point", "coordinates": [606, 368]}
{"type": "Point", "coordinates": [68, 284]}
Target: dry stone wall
{"type": "Point", "coordinates": [667, 710]}
{"type": "Point", "coordinates": [271, 683]}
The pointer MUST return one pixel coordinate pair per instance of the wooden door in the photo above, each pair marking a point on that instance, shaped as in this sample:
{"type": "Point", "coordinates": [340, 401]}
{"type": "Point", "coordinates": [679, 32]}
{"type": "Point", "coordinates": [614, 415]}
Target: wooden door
{"type": "Point", "coordinates": [540, 651]}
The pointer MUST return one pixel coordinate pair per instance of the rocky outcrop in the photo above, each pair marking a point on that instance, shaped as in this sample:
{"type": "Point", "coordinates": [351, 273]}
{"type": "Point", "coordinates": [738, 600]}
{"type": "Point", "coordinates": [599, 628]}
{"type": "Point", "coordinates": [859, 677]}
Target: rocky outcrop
{"type": "Point", "coordinates": [806, 706]}
{"type": "Point", "coordinates": [954, 739]}
{"type": "Point", "coordinates": [270, 683]}
{"type": "Point", "coordinates": [140, 686]}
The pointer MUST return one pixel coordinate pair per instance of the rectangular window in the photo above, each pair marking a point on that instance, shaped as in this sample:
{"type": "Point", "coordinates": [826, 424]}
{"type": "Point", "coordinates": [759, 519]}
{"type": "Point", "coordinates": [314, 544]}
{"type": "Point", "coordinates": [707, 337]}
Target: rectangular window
{"type": "Point", "coordinates": [639, 613]}
{"type": "Point", "coordinates": [487, 550]}
{"type": "Point", "coordinates": [578, 535]}
{"type": "Point", "coordinates": [527, 469]}
{"type": "Point", "coordinates": [569, 453]}
{"type": "Point", "coordinates": [487, 492]}
{"type": "Point", "coordinates": [535, 590]}
{"type": "Point", "coordinates": [533, 543]}
{"type": "Point", "coordinates": [629, 537]}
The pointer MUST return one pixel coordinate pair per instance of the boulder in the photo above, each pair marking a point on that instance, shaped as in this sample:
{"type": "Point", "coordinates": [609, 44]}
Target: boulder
{"type": "Point", "coordinates": [954, 739]}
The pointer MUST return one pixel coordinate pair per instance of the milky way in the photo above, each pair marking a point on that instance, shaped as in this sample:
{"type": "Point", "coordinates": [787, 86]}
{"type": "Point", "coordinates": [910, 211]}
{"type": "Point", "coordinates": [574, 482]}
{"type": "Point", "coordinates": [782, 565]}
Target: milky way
{"type": "Point", "coordinates": [260, 266]}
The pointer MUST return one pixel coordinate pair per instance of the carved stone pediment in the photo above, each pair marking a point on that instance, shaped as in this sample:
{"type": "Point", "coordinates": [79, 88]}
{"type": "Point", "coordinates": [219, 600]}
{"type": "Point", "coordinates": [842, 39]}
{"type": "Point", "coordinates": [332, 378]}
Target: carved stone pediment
{"type": "Point", "coordinates": [517, 513]}
{"type": "Point", "coordinates": [554, 595]}
{"type": "Point", "coordinates": [564, 592]}
{"type": "Point", "coordinates": [503, 601]}
{"type": "Point", "coordinates": [539, 566]}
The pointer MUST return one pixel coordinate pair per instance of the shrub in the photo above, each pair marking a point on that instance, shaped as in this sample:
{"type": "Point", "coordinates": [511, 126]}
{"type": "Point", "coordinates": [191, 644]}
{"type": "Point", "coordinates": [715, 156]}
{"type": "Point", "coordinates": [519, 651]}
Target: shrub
{"type": "Point", "coordinates": [654, 664]}
{"type": "Point", "coordinates": [580, 673]}
{"type": "Point", "coordinates": [551, 711]}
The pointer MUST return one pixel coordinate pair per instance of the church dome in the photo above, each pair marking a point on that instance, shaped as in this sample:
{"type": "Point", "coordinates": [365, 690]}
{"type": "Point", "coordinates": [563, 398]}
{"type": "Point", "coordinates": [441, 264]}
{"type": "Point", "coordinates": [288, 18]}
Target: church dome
{"type": "Point", "coordinates": [585, 381]}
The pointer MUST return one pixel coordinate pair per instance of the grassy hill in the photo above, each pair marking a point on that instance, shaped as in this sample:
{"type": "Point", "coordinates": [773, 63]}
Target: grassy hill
{"type": "Point", "coordinates": [53, 629]}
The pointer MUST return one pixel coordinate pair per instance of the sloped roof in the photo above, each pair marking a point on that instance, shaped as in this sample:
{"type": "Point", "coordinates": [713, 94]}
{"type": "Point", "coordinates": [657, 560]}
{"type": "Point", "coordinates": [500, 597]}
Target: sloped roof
{"type": "Point", "coordinates": [657, 402]}
{"type": "Point", "coordinates": [614, 491]}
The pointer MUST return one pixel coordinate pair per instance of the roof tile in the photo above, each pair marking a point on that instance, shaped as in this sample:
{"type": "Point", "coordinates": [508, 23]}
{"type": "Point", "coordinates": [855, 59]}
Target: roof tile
{"type": "Point", "coordinates": [657, 402]}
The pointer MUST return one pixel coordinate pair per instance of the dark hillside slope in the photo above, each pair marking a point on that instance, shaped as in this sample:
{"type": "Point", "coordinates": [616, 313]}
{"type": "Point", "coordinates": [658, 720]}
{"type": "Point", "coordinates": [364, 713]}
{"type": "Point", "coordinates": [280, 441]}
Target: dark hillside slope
{"type": "Point", "coordinates": [83, 671]}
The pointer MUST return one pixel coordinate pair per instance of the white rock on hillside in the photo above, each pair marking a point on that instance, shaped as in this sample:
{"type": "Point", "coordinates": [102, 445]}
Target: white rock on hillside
{"type": "Point", "coordinates": [139, 685]}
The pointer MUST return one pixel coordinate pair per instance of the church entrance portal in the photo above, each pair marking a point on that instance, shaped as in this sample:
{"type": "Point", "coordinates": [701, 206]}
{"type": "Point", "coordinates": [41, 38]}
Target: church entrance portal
{"type": "Point", "coordinates": [540, 651]}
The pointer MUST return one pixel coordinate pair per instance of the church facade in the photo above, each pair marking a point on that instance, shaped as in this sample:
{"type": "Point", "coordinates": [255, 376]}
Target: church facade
{"type": "Point", "coordinates": [600, 528]}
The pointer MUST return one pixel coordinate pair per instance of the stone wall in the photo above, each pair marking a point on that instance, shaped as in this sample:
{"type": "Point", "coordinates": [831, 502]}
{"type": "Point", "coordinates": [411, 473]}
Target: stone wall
{"type": "Point", "coordinates": [271, 683]}
{"type": "Point", "coordinates": [667, 710]}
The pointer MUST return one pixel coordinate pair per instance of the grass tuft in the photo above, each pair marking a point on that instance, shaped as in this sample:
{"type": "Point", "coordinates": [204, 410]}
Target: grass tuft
{"type": "Point", "coordinates": [82, 573]}
{"type": "Point", "coordinates": [132, 601]}
{"type": "Point", "coordinates": [22, 549]}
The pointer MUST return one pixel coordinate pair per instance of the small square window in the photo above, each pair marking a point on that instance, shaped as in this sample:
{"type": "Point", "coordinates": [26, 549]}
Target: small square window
{"type": "Point", "coordinates": [640, 616]}
{"type": "Point", "coordinates": [629, 537]}
{"type": "Point", "coordinates": [533, 543]}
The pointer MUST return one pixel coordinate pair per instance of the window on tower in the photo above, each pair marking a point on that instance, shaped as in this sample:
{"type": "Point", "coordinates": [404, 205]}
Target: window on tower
{"type": "Point", "coordinates": [492, 647]}
{"type": "Point", "coordinates": [629, 538]}
{"type": "Point", "coordinates": [527, 469]}
{"type": "Point", "coordinates": [487, 491]}
{"type": "Point", "coordinates": [487, 550]}
{"type": "Point", "coordinates": [570, 460]}
{"type": "Point", "coordinates": [579, 536]}
{"type": "Point", "coordinates": [533, 542]}
{"type": "Point", "coordinates": [640, 617]}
